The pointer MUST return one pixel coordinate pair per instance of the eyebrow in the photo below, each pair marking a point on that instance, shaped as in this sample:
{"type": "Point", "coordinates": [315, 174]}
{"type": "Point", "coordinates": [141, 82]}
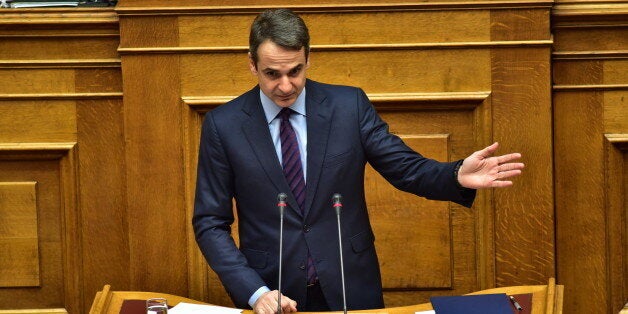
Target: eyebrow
{"type": "Point", "coordinates": [300, 65]}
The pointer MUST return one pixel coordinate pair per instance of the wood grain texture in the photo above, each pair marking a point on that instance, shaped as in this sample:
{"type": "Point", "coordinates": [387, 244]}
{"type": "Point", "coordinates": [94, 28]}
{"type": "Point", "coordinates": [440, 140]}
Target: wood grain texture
{"type": "Point", "coordinates": [154, 159]}
{"type": "Point", "coordinates": [328, 28]}
{"type": "Point", "coordinates": [52, 166]}
{"type": "Point", "coordinates": [616, 172]}
{"type": "Point", "coordinates": [104, 217]}
{"type": "Point", "coordinates": [580, 217]}
{"type": "Point", "coordinates": [432, 123]}
{"type": "Point", "coordinates": [19, 264]}
{"type": "Point", "coordinates": [589, 99]}
{"type": "Point", "coordinates": [133, 7]}
{"type": "Point", "coordinates": [34, 121]}
{"type": "Point", "coordinates": [413, 234]}
{"type": "Point", "coordinates": [524, 215]}
{"type": "Point", "coordinates": [398, 71]}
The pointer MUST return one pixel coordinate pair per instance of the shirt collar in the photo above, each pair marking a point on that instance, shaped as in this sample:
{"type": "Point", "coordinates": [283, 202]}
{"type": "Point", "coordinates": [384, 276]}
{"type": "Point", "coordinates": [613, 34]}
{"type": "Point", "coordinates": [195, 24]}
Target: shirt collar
{"type": "Point", "coordinates": [271, 110]}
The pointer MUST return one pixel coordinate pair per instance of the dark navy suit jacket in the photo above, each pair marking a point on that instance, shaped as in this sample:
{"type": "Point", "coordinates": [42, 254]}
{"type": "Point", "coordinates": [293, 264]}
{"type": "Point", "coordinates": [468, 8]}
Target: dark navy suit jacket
{"type": "Point", "coordinates": [237, 160]}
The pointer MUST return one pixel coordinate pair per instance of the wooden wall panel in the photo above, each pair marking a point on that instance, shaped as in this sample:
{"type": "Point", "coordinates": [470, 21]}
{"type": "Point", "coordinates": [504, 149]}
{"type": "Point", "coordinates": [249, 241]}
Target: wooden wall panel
{"type": "Point", "coordinates": [154, 159]}
{"type": "Point", "coordinates": [346, 28]}
{"type": "Point", "coordinates": [590, 127]}
{"type": "Point", "coordinates": [104, 222]}
{"type": "Point", "coordinates": [476, 71]}
{"type": "Point", "coordinates": [401, 219]}
{"type": "Point", "coordinates": [458, 72]}
{"type": "Point", "coordinates": [19, 264]}
{"type": "Point", "coordinates": [61, 94]}
{"type": "Point", "coordinates": [52, 166]}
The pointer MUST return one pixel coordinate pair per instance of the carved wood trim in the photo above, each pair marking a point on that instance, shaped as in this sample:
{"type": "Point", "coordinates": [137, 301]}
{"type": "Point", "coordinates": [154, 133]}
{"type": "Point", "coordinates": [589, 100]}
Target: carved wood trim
{"type": "Point", "coordinates": [352, 47]}
{"type": "Point", "coordinates": [383, 101]}
{"type": "Point", "coordinates": [56, 16]}
{"type": "Point", "coordinates": [198, 275]}
{"type": "Point", "coordinates": [590, 55]}
{"type": "Point", "coordinates": [599, 87]}
{"type": "Point", "coordinates": [615, 151]}
{"type": "Point", "coordinates": [592, 14]}
{"type": "Point", "coordinates": [58, 64]}
{"type": "Point", "coordinates": [334, 8]}
{"type": "Point", "coordinates": [475, 97]}
{"type": "Point", "coordinates": [60, 96]}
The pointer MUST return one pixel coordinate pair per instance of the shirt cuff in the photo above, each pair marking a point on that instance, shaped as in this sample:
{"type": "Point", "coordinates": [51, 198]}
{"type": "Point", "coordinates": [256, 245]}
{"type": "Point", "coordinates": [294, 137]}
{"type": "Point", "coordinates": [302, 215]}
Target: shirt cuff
{"type": "Point", "coordinates": [257, 294]}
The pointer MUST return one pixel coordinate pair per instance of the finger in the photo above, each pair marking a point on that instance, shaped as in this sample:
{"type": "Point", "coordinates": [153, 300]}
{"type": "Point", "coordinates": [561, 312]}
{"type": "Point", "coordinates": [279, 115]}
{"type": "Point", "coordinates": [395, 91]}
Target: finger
{"type": "Point", "coordinates": [488, 151]}
{"type": "Point", "coordinates": [507, 158]}
{"type": "Point", "coordinates": [508, 174]}
{"type": "Point", "coordinates": [288, 305]}
{"type": "Point", "coordinates": [510, 166]}
{"type": "Point", "coordinates": [292, 306]}
{"type": "Point", "coordinates": [501, 184]}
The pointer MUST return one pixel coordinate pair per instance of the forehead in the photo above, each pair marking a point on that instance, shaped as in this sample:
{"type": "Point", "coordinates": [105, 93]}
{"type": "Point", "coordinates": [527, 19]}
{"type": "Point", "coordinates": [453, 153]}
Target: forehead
{"type": "Point", "coordinates": [274, 56]}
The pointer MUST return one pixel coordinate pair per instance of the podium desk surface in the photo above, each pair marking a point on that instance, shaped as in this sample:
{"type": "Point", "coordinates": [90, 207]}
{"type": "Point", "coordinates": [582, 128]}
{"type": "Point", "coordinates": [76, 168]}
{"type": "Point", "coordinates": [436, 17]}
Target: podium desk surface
{"type": "Point", "coordinates": [546, 299]}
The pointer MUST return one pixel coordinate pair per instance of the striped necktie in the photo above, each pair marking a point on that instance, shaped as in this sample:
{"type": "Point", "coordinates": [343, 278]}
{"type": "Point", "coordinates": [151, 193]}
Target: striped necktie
{"type": "Point", "coordinates": [293, 171]}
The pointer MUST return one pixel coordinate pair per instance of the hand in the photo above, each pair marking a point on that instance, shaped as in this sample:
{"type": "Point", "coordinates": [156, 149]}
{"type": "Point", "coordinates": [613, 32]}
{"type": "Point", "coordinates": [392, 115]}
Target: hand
{"type": "Point", "coordinates": [267, 303]}
{"type": "Point", "coordinates": [480, 170]}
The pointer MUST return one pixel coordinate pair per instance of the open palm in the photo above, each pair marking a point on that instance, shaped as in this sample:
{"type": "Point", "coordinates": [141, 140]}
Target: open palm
{"type": "Point", "coordinates": [481, 170]}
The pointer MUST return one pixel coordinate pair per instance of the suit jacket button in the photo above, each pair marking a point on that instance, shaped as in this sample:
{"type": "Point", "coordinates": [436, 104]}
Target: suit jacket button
{"type": "Point", "coordinates": [306, 228]}
{"type": "Point", "coordinates": [302, 267]}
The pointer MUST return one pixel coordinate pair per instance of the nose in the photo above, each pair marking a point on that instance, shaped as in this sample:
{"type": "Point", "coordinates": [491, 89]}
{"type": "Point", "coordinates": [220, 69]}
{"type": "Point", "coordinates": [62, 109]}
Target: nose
{"type": "Point", "coordinates": [284, 85]}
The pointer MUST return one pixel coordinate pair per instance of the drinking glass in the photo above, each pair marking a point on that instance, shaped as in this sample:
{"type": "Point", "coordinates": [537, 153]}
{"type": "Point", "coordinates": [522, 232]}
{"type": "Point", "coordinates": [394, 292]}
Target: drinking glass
{"type": "Point", "coordinates": [156, 306]}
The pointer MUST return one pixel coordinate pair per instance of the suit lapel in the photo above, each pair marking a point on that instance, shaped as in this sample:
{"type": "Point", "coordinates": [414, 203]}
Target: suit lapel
{"type": "Point", "coordinates": [318, 113]}
{"type": "Point", "coordinates": [258, 136]}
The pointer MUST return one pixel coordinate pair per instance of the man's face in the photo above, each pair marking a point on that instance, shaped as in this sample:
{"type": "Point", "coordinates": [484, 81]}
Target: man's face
{"type": "Point", "coordinates": [280, 72]}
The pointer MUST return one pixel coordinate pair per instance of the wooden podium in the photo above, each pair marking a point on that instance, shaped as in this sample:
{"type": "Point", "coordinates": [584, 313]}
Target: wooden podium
{"type": "Point", "coordinates": [546, 299]}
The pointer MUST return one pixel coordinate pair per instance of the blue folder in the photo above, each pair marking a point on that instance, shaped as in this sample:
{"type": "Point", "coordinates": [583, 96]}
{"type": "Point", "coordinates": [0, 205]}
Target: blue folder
{"type": "Point", "coordinates": [472, 304]}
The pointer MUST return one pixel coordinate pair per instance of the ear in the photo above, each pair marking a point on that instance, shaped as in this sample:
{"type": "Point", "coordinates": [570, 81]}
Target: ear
{"type": "Point", "coordinates": [252, 65]}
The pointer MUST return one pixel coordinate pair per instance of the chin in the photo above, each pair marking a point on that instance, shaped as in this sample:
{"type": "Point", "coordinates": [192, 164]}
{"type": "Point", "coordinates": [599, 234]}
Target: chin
{"type": "Point", "coordinates": [285, 103]}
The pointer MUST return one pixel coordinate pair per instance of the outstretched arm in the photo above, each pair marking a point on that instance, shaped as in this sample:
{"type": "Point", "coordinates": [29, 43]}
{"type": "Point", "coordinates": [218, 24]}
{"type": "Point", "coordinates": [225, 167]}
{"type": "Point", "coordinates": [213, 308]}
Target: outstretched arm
{"type": "Point", "coordinates": [482, 170]}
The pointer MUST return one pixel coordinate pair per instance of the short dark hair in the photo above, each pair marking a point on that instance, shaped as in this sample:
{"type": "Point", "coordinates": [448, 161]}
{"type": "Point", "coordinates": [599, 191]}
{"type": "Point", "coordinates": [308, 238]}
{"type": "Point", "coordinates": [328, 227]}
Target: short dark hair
{"type": "Point", "coordinates": [281, 26]}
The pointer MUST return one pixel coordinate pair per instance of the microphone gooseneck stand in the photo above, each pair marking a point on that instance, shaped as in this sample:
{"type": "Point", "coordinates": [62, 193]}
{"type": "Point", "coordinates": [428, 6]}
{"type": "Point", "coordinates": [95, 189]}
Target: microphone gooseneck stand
{"type": "Point", "coordinates": [281, 204]}
{"type": "Point", "coordinates": [337, 203]}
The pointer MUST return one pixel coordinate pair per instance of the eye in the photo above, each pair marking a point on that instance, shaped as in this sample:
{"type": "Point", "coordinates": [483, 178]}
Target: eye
{"type": "Point", "coordinates": [272, 74]}
{"type": "Point", "coordinates": [295, 71]}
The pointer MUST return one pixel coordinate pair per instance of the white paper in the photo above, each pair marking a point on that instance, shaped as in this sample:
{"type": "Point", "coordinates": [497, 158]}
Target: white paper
{"type": "Point", "coordinates": [190, 308]}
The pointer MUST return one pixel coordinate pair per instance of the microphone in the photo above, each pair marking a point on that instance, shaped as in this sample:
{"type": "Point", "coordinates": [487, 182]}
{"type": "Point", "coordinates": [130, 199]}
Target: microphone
{"type": "Point", "coordinates": [281, 204]}
{"type": "Point", "coordinates": [337, 204]}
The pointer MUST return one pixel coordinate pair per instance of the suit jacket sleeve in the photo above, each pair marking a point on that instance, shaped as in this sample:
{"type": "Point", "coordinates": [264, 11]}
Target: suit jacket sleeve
{"type": "Point", "coordinates": [404, 168]}
{"type": "Point", "coordinates": [213, 216]}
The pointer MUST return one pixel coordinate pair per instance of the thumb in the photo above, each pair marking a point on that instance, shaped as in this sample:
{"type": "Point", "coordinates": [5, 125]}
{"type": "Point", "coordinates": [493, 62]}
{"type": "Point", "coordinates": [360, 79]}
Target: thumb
{"type": "Point", "coordinates": [488, 151]}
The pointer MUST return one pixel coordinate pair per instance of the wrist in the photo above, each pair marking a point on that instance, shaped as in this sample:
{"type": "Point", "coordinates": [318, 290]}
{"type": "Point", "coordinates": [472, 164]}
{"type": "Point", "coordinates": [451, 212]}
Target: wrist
{"type": "Point", "coordinates": [456, 173]}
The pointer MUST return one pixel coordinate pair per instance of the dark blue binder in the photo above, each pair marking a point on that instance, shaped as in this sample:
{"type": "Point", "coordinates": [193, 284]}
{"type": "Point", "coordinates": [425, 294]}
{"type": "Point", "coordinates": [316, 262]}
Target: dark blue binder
{"type": "Point", "coordinates": [472, 304]}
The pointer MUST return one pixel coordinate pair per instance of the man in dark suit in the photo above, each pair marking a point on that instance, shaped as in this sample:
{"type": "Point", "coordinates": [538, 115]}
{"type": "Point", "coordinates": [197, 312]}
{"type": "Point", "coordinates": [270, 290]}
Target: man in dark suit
{"type": "Point", "coordinates": [253, 148]}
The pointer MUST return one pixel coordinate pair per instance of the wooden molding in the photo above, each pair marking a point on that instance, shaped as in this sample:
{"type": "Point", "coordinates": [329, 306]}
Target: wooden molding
{"type": "Point", "coordinates": [590, 87]}
{"type": "Point", "coordinates": [58, 64]}
{"type": "Point", "coordinates": [590, 14]}
{"type": "Point", "coordinates": [12, 18]}
{"type": "Point", "coordinates": [615, 154]}
{"type": "Point", "coordinates": [590, 55]}
{"type": "Point", "coordinates": [35, 311]}
{"type": "Point", "coordinates": [331, 8]}
{"type": "Point", "coordinates": [60, 96]}
{"type": "Point", "coordinates": [350, 47]}
{"type": "Point", "coordinates": [385, 101]}
{"type": "Point", "coordinates": [618, 140]}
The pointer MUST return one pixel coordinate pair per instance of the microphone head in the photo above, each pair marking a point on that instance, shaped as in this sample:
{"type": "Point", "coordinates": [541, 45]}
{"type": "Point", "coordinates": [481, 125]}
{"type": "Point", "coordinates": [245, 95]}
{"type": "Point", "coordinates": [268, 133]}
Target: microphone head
{"type": "Point", "coordinates": [281, 197]}
{"type": "Point", "coordinates": [337, 199]}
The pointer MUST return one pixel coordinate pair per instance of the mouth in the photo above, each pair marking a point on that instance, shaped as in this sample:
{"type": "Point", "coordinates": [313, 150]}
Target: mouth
{"type": "Point", "coordinates": [286, 97]}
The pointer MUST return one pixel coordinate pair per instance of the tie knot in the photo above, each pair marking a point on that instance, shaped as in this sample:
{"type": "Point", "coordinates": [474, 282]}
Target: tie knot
{"type": "Point", "coordinates": [285, 113]}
